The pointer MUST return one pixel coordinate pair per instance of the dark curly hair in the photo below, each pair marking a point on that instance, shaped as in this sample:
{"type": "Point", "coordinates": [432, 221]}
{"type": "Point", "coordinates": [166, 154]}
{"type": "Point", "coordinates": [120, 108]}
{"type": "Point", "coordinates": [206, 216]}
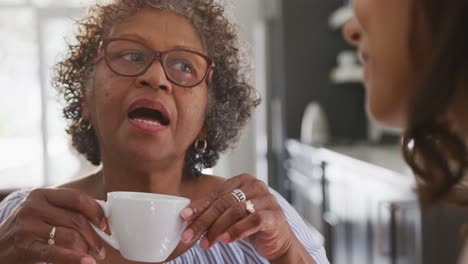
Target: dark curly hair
{"type": "Point", "coordinates": [231, 98]}
{"type": "Point", "coordinates": [432, 146]}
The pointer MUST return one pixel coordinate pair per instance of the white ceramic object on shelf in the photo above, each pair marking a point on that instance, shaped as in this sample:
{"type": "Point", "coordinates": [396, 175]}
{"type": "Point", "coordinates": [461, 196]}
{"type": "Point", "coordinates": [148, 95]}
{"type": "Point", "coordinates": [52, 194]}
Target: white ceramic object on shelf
{"type": "Point", "coordinates": [340, 17]}
{"type": "Point", "coordinates": [314, 127]}
{"type": "Point", "coordinates": [348, 70]}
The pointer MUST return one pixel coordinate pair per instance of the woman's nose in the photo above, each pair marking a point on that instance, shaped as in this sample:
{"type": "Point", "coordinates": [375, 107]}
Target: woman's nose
{"type": "Point", "coordinates": [154, 77]}
{"type": "Point", "coordinates": [352, 31]}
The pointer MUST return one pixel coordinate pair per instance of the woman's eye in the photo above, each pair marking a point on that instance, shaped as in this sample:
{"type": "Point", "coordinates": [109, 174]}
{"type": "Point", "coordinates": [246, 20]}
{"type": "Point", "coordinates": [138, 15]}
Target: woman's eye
{"type": "Point", "coordinates": [133, 56]}
{"type": "Point", "coordinates": [183, 66]}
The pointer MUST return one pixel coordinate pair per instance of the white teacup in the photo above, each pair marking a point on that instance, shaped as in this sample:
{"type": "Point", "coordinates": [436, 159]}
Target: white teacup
{"type": "Point", "coordinates": [145, 227]}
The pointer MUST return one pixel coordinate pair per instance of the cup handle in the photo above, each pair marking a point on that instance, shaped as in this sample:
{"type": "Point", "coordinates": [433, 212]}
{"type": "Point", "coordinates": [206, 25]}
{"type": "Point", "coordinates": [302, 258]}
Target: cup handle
{"type": "Point", "coordinates": [109, 239]}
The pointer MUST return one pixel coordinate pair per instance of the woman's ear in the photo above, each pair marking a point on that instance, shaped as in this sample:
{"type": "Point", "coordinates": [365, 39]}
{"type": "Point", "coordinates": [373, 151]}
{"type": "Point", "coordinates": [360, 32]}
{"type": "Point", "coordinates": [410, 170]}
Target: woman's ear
{"type": "Point", "coordinates": [84, 105]}
{"type": "Point", "coordinates": [203, 133]}
{"type": "Point", "coordinates": [209, 78]}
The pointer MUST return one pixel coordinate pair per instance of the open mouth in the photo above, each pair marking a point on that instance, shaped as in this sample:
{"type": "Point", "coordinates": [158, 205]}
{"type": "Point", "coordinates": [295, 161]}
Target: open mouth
{"type": "Point", "coordinates": [149, 116]}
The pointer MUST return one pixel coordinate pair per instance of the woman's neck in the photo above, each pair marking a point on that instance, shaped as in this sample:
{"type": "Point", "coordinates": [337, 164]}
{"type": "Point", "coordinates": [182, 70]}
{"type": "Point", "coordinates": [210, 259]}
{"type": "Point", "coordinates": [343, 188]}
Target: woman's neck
{"type": "Point", "coordinates": [118, 177]}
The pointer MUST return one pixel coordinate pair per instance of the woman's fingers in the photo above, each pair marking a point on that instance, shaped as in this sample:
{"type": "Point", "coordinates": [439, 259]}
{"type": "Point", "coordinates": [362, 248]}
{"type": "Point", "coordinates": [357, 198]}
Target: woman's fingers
{"type": "Point", "coordinates": [55, 254]}
{"type": "Point", "coordinates": [231, 217]}
{"type": "Point", "coordinates": [37, 250]}
{"type": "Point", "coordinates": [267, 230]}
{"type": "Point", "coordinates": [75, 221]}
{"type": "Point", "coordinates": [198, 207]}
{"type": "Point", "coordinates": [228, 219]}
{"type": "Point", "coordinates": [46, 204]}
{"type": "Point", "coordinates": [209, 216]}
{"type": "Point", "coordinates": [64, 211]}
{"type": "Point", "coordinates": [208, 210]}
{"type": "Point", "coordinates": [70, 234]}
{"type": "Point", "coordinates": [75, 200]}
{"type": "Point", "coordinates": [222, 216]}
{"type": "Point", "coordinates": [69, 239]}
{"type": "Point", "coordinates": [263, 220]}
{"type": "Point", "coordinates": [63, 237]}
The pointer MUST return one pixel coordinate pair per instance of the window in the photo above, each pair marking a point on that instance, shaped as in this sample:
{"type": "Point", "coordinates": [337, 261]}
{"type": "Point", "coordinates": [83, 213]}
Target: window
{"type": "Point", "coordinates": [34, 148]}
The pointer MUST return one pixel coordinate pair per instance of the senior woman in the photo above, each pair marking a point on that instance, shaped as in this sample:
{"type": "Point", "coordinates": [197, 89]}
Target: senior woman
{"type": "Point", "coordinates": [154, 91]}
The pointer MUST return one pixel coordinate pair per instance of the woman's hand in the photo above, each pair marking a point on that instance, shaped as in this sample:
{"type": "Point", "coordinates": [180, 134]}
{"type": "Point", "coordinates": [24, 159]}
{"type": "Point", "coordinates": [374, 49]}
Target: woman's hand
{"type": "Point", "coordinates": [224, 218]}
{"type": "Point", "coordinates": [24, 235]}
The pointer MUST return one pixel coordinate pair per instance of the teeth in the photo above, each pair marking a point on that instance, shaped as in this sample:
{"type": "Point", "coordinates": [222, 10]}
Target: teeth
{"type": "Point", "coordinates": [151, 123]}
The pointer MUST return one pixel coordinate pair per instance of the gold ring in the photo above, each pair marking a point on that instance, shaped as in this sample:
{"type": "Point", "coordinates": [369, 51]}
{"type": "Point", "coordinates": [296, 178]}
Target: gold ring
{"type": "Point", "coordinates": [240, 195]}
{"type": "Point", "coordinates": [51, 240]}
{"type": "Point", "coordinates": [249, 207]}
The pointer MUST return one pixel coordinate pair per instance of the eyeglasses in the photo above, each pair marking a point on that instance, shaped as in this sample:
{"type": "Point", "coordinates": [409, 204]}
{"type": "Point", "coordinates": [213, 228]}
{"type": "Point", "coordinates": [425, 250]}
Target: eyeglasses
{"type": "Point", "coordinates": [130, 58]}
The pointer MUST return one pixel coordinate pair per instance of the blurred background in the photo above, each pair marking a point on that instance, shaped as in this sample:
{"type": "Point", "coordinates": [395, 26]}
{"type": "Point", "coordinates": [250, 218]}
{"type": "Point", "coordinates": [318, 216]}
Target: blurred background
{"type": "Point", "coordinates": [310, 139]}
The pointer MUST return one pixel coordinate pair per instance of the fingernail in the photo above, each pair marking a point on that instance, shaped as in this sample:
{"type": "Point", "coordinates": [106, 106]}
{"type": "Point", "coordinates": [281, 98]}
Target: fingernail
{"type": "Point", "coordinates": [187, 236]}
{"type": "Point", "coordinates": [187, 213]}
{"type": "Point", "coordinates": [87, 260]}
{"type": "Point", "coordinates": [102, 253]}
{"type": "Point", "coordinates": [225, 238]}
{"type": "Point", "coordinates": [204, 243]}
{"type": "Point", "coordinates": [103, 224]}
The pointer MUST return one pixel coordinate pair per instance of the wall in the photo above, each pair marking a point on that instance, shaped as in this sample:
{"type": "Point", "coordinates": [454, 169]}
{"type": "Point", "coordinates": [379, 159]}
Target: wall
{"type": "Point", "coordinates": [311, 48]}
{"type": "Point", "coordinates": [250, 154]}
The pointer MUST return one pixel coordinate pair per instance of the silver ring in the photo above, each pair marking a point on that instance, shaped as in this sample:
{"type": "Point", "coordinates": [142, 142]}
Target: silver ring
{"type": "Point", "coordinates": [51, 240]}
{"type": "Point", "coordinates": [240, 195]}
{"type": "Point", "coordinates": [249, 207]}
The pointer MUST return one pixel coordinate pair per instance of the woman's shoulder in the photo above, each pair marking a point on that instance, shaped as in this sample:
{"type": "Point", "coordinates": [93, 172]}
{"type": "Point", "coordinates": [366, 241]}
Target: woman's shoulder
{"type": "Point", "coordinates": [16, 196]}
{"type": "Point", "coordinates": [11, 202]}
{"type": "Point", "coordinates": [18, 193]}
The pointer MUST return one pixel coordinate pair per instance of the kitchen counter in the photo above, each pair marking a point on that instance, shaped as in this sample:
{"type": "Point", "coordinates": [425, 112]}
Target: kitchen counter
{"type": "Point", "coordinates": [388, 157]}
{"type": "Point", "coordinates": [362, 199]}
{"type": "Point", "coordinates": [384, 160]}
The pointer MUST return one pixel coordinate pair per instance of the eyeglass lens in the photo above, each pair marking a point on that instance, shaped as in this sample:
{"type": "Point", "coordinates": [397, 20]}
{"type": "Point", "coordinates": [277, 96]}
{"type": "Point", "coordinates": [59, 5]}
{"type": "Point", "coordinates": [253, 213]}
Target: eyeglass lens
{"type": "Point", "coordinates": [130, 58]}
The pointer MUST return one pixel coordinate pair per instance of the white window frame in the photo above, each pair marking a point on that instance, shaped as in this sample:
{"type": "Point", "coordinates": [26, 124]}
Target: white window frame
{"type": "Point", "coordinates": [43, 14]}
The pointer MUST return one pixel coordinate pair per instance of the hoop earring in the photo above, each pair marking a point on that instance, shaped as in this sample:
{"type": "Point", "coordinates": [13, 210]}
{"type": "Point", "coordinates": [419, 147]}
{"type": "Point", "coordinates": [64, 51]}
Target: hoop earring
{"type": "Point", "coordinates": [200, 146]}
{"type": "Point", "coordinates": [82, 127]}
